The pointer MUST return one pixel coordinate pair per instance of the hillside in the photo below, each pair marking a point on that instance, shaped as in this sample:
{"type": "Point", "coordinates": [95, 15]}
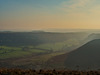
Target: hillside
{"type": "Point", "coordinates": [87, 56]}
{"type": "Point", "coordinates": [36, 38]}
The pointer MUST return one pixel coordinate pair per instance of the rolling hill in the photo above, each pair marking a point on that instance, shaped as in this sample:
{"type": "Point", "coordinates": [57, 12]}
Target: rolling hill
{"type": "Point", "coordinates": [49, 50]}
{"type": "Point", "coordinates": [84, 57]}
{"type": "Point", "coordinates": [93, 36]}
{"type": "Point", "coordinates": [87, 56]}
{"type": "Point", "coordinates": [36, 38]}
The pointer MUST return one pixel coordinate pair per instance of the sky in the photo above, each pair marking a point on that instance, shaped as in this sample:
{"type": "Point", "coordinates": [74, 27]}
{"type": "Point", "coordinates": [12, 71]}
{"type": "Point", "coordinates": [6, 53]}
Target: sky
{"type": "Point", "coordinates": [49, 14]}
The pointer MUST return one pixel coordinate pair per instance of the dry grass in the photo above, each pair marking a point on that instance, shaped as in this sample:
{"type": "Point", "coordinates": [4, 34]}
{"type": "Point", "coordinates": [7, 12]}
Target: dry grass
{"type": "Point", "coordinates": [5, 71]}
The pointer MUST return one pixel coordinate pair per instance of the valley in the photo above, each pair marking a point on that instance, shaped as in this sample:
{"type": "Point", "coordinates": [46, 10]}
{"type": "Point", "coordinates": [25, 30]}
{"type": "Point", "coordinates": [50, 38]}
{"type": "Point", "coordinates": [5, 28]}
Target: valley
{"type": "Point", "coordinates": [35, 49]}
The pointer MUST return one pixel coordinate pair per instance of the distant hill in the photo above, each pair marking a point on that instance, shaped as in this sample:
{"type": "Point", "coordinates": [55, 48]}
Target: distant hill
{"type": "Point", "coordinates": [93, 36]}
{"type": "Point", "coordinates": [36, 38]}
{"type": "Point", "coordinates": [87, 56]}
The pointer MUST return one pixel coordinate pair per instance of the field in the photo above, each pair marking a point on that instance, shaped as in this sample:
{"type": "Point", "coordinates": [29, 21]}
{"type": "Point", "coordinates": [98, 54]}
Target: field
{"type": "Point", "coordinates": [8, 51]}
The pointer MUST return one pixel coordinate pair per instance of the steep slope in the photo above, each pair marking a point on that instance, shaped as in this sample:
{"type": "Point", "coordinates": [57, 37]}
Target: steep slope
{"type": "Point", "coordinates": [56, 62]}
{"type": "Point", "coordinates": [87, 56]}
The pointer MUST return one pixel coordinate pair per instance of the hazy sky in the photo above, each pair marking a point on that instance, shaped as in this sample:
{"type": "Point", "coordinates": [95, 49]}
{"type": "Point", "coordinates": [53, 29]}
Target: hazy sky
{"type": "Point", "coordinates": [46, 14]}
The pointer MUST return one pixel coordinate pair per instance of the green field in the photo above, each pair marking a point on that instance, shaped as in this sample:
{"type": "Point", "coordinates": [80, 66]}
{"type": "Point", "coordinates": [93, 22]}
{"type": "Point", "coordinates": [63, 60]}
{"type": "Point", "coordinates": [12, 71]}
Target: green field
{"type": "Point", "coordinates": [59, 46]}
{"type": "Point", "coordinates": [9, 52]}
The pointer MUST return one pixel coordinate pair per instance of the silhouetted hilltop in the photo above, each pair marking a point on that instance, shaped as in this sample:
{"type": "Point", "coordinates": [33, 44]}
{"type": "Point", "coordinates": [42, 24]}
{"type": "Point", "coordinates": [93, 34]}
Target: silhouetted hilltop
{"type": "Point", "coordinates": [87, 56]}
